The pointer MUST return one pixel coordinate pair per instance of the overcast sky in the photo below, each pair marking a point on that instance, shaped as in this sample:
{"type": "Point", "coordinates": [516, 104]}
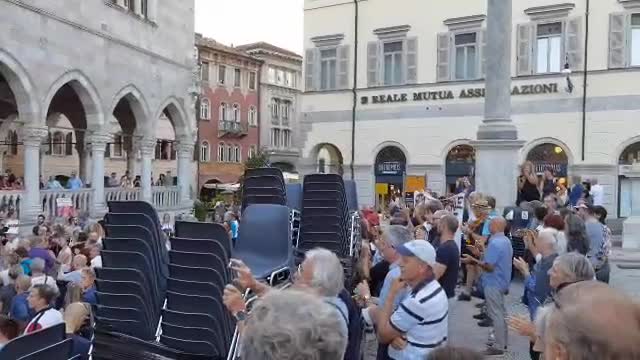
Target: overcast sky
{"type": "Point", "coordinates": [238, 22]}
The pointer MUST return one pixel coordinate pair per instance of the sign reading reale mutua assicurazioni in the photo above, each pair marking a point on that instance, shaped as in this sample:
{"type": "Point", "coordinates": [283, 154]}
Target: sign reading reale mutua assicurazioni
{"type": "Point", "coordinates": [535, 89]}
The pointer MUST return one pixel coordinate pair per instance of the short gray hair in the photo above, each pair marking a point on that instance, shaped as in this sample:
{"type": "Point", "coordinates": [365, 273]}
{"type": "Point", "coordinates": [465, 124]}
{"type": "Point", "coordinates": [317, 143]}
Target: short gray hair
{"type": "Point", "coordinates": [576, 266]}
{"type": "Point", "coordinates": [397, 235]}
{"type": "Point", "coordinates": [328, 274]}
{"type": "Point", "coordinates": [314, 331]}
{"type": "Point", "coordinates": [37, 265]}
{"type": "Point", "coordinates": [549, 236]}
{"type": "Point", "coordinates": [450, 222]}
{"type": "Point", "coordinates": [434, 205]}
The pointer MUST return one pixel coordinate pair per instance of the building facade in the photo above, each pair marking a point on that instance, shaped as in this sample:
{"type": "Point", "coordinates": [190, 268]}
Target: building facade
{"type": "Point", "coordinates": [419, 93]}
{"type": "Point", "coordinates": [228, 126]}
{"type": "Point", "coordinates": [78, 81]}
{"type": "Point", "coordinates": [280, 90]}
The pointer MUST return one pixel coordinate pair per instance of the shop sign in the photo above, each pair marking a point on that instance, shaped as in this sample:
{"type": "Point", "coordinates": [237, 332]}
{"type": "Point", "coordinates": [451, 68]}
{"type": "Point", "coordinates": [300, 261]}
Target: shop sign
{"type": "Point", "coordinates": [559, 169]}
{"type": "Point", "coordinates": [527, 89]}
{"type": "Point", "coordinates": [415, 183]}
{"type": "Point", "coordinates": [390, 168]}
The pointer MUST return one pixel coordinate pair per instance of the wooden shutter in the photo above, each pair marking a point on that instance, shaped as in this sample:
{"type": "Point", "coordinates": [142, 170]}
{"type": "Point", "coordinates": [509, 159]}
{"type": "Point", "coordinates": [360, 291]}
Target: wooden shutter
{"type": "Point", "coordinates": [443, 70]}
{"type": "Point", "coordinates": [68, 144]}
{"type": "Point", "coordinates": [524, 46]}
{"type": "Point", "coordinates": [309, 69]}
{"type": "Point", "coordinates": [618, 25]}
{"type": "Point", "coordinates": [372, 63]}
{"type": "Point", "coordinates": [573, 42]}
{"type": "Point", "coordinates": [482, 44]}
{"type": "Point", "coordinates": [342, 80]}
{"type": "Point", "coordinates": [411, 57]}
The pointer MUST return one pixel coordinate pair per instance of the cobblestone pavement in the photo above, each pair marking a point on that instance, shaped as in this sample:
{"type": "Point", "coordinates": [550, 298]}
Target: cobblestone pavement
{"type": "Point", "coordinates": [466, 333]}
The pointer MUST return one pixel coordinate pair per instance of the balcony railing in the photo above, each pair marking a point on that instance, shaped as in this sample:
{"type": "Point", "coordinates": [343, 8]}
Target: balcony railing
{"type": "Point", "coordinates": [81, 201]}
{"type": "Point", "coordinates": [165, 197]}
{"type": "Point", "coordinates": [122, 194]}
{"type": "Point", "coordinates": [232, 128]}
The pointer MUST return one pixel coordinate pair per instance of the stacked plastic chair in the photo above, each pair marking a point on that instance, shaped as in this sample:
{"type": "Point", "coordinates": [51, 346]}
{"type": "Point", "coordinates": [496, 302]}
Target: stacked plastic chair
{"type": "Point", "coordinates": [263, 186]}
{"type": "Point", "coordinates": [327, 221]}
{"type": "Point", "coordinates": [48, 343]}
{"type": "Point", "coordinates": [132, 283]}
{"type": "Point", "coordinates": [195, 320]}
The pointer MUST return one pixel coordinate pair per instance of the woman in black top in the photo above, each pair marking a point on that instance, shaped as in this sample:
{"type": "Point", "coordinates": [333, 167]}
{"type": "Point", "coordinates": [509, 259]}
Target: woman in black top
{"type": "Point", "coordinates": [528, 183]}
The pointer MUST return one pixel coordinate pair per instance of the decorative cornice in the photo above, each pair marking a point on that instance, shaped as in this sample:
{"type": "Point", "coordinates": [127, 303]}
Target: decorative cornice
{"type": "Point", "coordinates": [630, 4]}
{"type": "Point", "coordinates": [550, 11]}
{"type": "Point", "coordinates": [327, 40]}
{"type": "Point", "coordinates": [99, 141]}
{"type": "Point", "coordinates": [185, 148]}
{"type": "Point", "coordinates": [392, 31]}
{"type": "Point", "coordinates": [147, 146]}
{"type": "Point", "coordinates": [465, 22]}
{"type": "Point", "coordinates": [33, 135]}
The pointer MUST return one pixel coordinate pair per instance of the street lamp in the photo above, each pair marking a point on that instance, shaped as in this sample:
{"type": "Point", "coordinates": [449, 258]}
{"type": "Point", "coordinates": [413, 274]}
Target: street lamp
{"type": "Point", "coordinates": [567, 71]}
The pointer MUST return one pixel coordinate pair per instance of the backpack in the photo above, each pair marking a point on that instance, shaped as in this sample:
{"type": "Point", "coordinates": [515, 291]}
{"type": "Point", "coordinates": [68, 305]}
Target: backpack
{"type": "Point", "coordinates": [356, 328]}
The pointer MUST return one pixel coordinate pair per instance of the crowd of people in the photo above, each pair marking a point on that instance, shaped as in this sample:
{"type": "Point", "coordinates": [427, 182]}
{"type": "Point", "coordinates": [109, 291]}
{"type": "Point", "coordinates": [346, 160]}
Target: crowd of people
{"type": "Point", "coordinates": [416, 272]}
{"type": "Point", "coordinates": [48, 278]}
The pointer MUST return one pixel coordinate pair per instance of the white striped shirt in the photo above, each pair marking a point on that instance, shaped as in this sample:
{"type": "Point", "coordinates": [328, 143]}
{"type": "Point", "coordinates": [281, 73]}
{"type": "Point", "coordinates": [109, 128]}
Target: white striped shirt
{"type": "Point", "coordinates": [423, 318]}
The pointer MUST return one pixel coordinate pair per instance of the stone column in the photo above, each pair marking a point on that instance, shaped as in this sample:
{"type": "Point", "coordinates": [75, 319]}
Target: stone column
{"type": "Point", "coordinates": [86, 171]}
{"type": "Point", "coordinates": [131, 149]}
{"type": "Point", "coordinates": [147, 148]}
{"type": "Point", "coordinates": [498, 145]}
{"type": "Point", "coordinates": [185, 175]}
{"type": "Point", "coordinates": [32, 137]}
{"type": "Point", "coordinates": [137, 6]}
{"type": "Point", "coordinates": [99, 143]}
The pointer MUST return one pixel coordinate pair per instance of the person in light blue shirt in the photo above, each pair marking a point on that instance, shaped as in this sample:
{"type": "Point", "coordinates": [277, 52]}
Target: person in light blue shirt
{"type": "Point", "coordinates": [74, 182]}
{"type": "Point", "coordinates": [495, 280]}
{"type": "Point", "coordinates": [53, 184]}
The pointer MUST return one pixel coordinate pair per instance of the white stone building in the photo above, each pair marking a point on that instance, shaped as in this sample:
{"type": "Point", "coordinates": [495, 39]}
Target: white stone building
{"type": "Point", "coordinates": [420, 91]}
{"type": "Point", "coordinates": [112, 70]}
{"type": "Point", "coordinates": [280, 90]}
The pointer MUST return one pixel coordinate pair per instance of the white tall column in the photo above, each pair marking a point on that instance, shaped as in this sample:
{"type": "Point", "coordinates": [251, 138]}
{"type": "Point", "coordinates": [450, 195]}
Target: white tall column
{"type": "Point", "coordinates": [32, 137]}
{"type": "Point", "coordinates": [85, 158]}
{"type": "Point", "coordinates": [185, 175]}
{"type": "Point", "coordinates": [148, 149]}
{"type": "Point", "coordinates": [497, 135]}
{"type": "Point", "coordinates": [137, 6]}
{"type": "Point", "coordinates": [99, 143]}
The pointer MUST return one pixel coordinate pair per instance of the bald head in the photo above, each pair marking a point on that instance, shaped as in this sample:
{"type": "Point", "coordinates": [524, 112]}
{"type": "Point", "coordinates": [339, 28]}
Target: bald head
{"type": "Point", "coordinates": [576, 330]}
{"type": "Point", "coordinates": [497, 225]}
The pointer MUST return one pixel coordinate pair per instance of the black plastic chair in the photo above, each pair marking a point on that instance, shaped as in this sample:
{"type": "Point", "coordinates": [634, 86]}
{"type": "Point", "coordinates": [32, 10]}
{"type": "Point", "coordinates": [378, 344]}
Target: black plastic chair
{"type": "Point", "coordinates": [116, 274]}
{"type": "Point", "coordinates": [264, 241]}
{"type": "Point", "coordinates": [134, 260]}
{"type": "Point", "coordinates": [133, 328]}
{"type": "Point", "coordinates": [264, 171]}
{"type": "Point", "coordinates": [128, 301]}
{"type": "Point", "coordinates": [135, 207]}
{"type": "Point", "coordinates": [153, 304]}
{"type": "Point", "coordinates": [351, 190]}
{"type": "Point", "coordinates": [211, 261]}
{"type": "Point", "coordinates": [201, 246]}
{"type": "Point", "coordinates": [194, 288]}
{"type": "Point", "coordinates": [203, 231]}
{"type": "Point", "coordinates": [189, 347]}
{"type": "Point", "coordinates": [61, 350]}
{"type": "Point", "coordinates": [139, 232]}
{"type": "Point", "coordinates": [190, 319]}
{"type": "Point", "coordinates": [195, 334]}
{"type": "Point", "coordinates": [199, 274]}
{"type": "Point", "coordinates": [204, 305]}
{"type": "Point", "coordinates": [25, 345]}
{"type": "Point", "coordinates": [136, 246]}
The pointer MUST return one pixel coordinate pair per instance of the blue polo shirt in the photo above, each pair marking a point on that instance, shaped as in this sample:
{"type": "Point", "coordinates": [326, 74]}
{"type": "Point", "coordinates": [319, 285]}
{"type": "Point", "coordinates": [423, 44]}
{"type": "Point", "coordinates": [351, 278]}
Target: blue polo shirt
{"type": "Point", "coordinates": [393, 273]}
{"type": "Point", "coordinates": [499, 254]}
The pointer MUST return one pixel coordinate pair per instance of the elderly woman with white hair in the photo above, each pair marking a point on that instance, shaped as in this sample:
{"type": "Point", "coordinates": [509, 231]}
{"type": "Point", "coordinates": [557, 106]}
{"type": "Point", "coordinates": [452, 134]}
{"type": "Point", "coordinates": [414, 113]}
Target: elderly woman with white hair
{"type": "Point", "coordinates": [567, 269]}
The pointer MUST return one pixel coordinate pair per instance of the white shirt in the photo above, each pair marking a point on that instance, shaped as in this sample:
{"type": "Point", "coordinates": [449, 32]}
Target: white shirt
{"type": "Point", "coordinates": [423, 318]}
{"type": "Point", "coordinates": [49, 318]}
{"type": "Point", "coordinates": [44, 279]}
{"type": "Point", "coordinates": [96, 262]}
{"type": "Point", "coordinates": [597, 192]}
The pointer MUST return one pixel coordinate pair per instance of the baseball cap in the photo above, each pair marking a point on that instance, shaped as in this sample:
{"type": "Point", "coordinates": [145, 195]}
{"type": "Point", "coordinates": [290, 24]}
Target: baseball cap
{"type": "Point", "coordinates": [420, 249]}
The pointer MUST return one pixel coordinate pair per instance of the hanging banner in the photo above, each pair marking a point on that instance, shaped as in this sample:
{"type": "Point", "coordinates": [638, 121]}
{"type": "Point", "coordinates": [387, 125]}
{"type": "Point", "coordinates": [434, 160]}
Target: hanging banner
{"type": "Point", "coordinates": [65, 207]}
{"type": "Point", "coordinates": [382, 189]}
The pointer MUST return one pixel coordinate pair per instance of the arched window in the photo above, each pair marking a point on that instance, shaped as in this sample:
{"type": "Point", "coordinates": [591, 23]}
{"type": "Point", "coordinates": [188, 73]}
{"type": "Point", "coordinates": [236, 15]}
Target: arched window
{"type": "Point", "coordinates": [253, 151]}
{"type": "Point", "coordinates": [117, 146]}
{"type": "Point", "coordinates": [58, 143]}
{"type": "Point", "coordinates": [238, 155]}
{"type": "Point", "coordinates": [221, 152]}
{"type": "Point", "coordinates": [158, 150]}
{"type": "Point", "coordinates": [204, 151]}
{"type": "Point", "coordinates": [205, 106]}
{"type": "Point", "coordinates": [68, 144]}
{"type": "Point", "coordinates": [236, 113]}
{"type": "Point", "coordinates": [229, 153]}
{"type": "Point", "coordinates": [275, 108]}
{"type": "Point", "coordinates": [253, 116]}
{"type": "Point", "coordinates": [223, 112]}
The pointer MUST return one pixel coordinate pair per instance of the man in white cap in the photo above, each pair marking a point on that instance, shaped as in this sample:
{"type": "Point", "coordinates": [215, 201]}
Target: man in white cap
{"type": "Point", "coordinates": [419, 324]}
